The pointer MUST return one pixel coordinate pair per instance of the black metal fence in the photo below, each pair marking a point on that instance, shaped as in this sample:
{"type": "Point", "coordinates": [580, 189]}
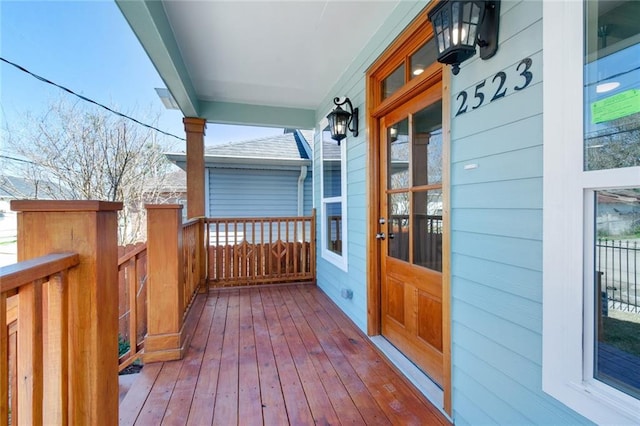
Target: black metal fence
{"type": "Point", "coordinates": [618, 263]}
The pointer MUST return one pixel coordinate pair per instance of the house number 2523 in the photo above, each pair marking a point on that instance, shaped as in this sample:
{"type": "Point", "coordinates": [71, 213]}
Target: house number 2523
{"type": "Point", "coordinates": [501, 83]}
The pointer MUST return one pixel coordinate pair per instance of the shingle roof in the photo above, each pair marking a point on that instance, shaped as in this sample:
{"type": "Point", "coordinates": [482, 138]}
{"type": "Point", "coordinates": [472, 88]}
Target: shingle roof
{"type": "Point", "coordinates": [13, 187]}
{"type": "Point", "coordinates": [285, 146]}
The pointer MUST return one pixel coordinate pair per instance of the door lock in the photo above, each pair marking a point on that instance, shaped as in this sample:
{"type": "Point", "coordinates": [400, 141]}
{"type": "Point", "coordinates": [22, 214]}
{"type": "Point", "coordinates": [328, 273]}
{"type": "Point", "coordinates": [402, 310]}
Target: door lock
{"type": "Point", "coordinates": [380, 236]}
{"type": "Point", "coordinates": [382, 221]}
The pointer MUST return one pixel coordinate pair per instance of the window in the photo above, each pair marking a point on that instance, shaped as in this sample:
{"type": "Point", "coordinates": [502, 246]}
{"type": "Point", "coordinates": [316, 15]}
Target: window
{"type": "Point", "coordinates": [591, 269]}
{"type": "Point", "coordinates": [409, 68]}
{"type": "Point", "coordinates": [333, 196]}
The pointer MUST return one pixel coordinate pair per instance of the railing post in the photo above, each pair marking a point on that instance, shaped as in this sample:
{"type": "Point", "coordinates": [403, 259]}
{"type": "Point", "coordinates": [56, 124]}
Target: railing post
{"type": "Point", "coordinates": [88, 228]}
{"type": "Point", "coordinates": [165, 338]}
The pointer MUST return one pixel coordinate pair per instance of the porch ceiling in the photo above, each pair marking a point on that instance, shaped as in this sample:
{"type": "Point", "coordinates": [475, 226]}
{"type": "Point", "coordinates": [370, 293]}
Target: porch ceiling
{"type": "Point", "coordinates": [268, 63]}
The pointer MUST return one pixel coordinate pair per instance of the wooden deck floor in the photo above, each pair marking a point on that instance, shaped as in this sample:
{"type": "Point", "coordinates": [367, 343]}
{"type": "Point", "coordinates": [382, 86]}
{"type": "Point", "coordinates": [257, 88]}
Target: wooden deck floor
{"type": "Point", "coordinates": [275, 356]}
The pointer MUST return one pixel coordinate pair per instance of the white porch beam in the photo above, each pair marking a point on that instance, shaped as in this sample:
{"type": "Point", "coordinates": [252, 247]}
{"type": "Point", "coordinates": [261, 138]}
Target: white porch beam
{"type": "Point", "coordinates": [257, 115]}
{"type": "Point", "coordinates": [150, 24]}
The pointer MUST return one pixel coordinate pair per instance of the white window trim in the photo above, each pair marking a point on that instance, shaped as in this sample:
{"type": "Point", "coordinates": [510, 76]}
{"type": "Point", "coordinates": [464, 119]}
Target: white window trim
{"type": "Point", "coordinates": [340, 261]}
{"type": "Point", "coordinates": [568, 308]}
{"type": "Point", "coordinates": [207, 195]}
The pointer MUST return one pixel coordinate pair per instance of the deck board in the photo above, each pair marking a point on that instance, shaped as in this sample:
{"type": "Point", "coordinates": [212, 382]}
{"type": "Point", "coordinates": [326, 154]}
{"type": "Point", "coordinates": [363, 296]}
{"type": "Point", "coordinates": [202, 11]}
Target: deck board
{"type": "Point", "coordinates": [201, 410]}
{"type": "Point", "coordinates": [275, 355]}
{"type": "Point", "coordinates": [182, 397]}
{"type": "Point", "coordinates": [225, 411]}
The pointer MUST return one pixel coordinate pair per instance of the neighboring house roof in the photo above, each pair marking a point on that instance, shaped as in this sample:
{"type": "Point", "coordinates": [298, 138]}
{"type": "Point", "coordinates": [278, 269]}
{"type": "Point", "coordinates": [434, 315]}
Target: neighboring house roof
{"type": "Point", "coordinates": [13, 187]}
{"type": "Point", "coordinates": [175, 182]}
{"type": "Point", "coordinates": [291, 149]}
{"type": "Point", "coordinates": [330, 150]}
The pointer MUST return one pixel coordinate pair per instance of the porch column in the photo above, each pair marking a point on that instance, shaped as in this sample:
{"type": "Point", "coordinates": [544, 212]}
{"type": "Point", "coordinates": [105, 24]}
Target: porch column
{"type": "Point", "coordinates": [90, 229]}
{"type": "Point", "coordinates": [195, 129]}
{"type": "Point", "coordinates": [165, 298]}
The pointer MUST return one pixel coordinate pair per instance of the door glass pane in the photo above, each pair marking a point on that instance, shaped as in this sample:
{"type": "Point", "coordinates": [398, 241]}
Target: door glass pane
{"type": "Point", "coordinates": [617, 282]}
{"type": "Point", "coordinates": [398, 237]}
{"type": "Point", "coordinates": [427, 229]}
{"type": "Point", "coordinates": [612, 85]}
{"type": "Point", "coordinates": [392, 83]}
{"type": "Point", "coordinates": [423, 57]}
{"type": "Point", "coordinates": [398, 156]}
{"type": "Point", "coordinates": [427, 145]}
{"type": "Point", "coordinates": [334, 227]}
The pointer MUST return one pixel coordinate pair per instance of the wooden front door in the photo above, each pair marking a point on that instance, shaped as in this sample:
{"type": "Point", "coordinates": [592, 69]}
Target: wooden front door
{"type": "Point", "coordinates": [411, 206]}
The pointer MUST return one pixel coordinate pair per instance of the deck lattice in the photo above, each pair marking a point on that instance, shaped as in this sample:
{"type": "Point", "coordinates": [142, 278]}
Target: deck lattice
{"type": "Point", "coordinates": [275, 356]}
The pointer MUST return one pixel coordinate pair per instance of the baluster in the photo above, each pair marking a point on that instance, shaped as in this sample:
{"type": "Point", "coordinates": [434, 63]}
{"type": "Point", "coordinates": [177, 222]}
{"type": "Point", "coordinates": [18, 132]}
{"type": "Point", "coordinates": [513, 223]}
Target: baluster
{"type": "Point", "coordinates": [4, 362]}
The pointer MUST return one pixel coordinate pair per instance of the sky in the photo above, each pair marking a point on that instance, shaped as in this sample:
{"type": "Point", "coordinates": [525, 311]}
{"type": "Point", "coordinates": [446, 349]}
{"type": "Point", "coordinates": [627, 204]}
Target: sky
{"type": "Point", "coordinates": [88, 47]}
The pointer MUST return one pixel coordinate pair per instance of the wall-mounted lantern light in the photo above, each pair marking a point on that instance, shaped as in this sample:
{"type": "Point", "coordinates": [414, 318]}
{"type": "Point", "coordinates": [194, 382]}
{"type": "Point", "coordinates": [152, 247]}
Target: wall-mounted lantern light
{"type": "Point", "coordinates": [458, 25]}
{"type": "Point", "coordinates": [341, 120]}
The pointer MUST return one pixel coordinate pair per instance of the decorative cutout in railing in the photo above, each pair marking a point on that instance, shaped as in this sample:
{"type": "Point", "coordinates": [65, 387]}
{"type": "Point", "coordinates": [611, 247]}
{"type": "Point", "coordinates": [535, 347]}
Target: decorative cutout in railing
{"type": "Point", "coordinates": [253, 251]}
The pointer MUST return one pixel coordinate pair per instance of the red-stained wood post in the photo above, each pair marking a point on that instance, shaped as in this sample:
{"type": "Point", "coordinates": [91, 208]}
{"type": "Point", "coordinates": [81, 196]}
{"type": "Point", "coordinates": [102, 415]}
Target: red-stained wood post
{"type": "Point", "coordinates": [88, 228]}
{"type": "Point", "coordinates": [195, 129]}
{"type": "Point", "coordinates": [165, 338]}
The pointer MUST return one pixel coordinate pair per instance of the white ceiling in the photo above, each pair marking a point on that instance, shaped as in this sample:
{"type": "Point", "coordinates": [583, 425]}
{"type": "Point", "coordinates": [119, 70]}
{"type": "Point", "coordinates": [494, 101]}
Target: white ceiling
{"type": "Point", "coordinates": [273, 53]}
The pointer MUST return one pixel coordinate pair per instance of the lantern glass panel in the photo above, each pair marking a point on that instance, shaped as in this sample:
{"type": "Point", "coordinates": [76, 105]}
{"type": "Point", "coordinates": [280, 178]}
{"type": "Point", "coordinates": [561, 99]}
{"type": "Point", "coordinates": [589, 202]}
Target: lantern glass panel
{"type": "Point", "coordinates": [455, 24]}
{"type": "Point", "coordinates": [338, 124]}
{"type": "Point", "coordinates": [446, 28]}
{"type": "Point", "coordinates": [437, 23]}
{"type": "Point", "coordinates": [473, 23]}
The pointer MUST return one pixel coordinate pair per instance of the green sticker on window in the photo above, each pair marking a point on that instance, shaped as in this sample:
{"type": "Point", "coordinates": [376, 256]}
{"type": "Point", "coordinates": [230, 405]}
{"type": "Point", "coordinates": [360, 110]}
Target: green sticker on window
{"type": "Point", "coordinates": [617, 106]}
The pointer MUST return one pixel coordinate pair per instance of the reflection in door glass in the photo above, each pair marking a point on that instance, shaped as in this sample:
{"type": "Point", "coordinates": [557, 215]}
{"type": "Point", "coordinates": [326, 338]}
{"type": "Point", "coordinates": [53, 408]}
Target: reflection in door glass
{"type": "Point", "coordinates": [423, 57]}
{"type": "Point", "coordinates": [398, 137]}
{"type": "Point", "coordinates": [427, 145]}
{"type": "Point", "coordinates": [617, 282]}
{"type": "Point", "coordinates": [427, 229]}
{"type": "Point", "coordinates": [393, 82]}
{"type": "Point", "coordinates": [398, 238]}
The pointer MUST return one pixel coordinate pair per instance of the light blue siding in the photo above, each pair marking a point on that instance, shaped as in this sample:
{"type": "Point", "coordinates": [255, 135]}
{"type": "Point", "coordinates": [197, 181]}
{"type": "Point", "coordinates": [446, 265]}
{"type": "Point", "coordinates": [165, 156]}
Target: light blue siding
{"type": "Point", "coordinates": [255, 193]}
{"type": "Point", "coordinates": [496, 238]}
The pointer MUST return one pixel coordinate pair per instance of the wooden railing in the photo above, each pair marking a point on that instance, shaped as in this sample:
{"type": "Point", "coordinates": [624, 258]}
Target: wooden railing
{"type": "Point", "coordinates": [33, 340]}
{"type": "Point", "coordinates": [132, 298]}
{"type": "Point", "coordinates": [192, 254]}
{"type": "Point", "coordinates": [253, 251]}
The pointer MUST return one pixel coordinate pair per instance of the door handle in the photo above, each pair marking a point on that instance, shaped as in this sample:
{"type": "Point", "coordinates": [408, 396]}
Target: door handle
{"type": "Point", "coordinates": [380, 236]}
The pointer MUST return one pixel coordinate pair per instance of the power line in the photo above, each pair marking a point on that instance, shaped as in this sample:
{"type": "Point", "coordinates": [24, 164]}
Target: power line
{"type": "Point", "coordinates": [8, 157]}
{"type": "Point", "coordinates": [84, 98]}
